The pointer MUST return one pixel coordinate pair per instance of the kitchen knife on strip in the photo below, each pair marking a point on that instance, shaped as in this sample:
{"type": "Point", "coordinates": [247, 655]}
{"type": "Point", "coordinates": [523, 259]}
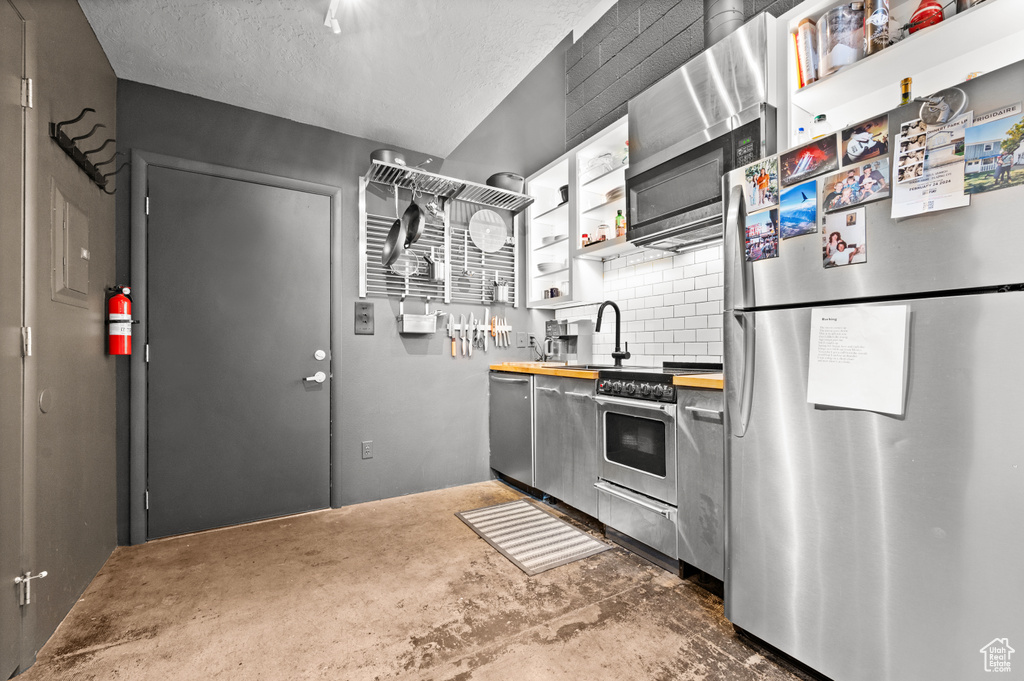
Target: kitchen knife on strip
{"type": "Point", "coordinates": [487, 315]}
{"type": "Point", "coordinates": [451, 331]}
{"type": "Point", "coordinates": [471, 332]}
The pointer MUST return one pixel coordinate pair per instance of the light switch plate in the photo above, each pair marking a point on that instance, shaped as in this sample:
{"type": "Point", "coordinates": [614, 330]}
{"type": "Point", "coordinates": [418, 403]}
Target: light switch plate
{"type": "Point", "coordinates": [364, 319]}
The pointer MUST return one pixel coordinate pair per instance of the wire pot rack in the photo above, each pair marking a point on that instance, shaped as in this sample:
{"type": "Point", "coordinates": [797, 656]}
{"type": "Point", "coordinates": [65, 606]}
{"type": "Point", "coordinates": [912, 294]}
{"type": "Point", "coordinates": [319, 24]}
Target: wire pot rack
{"type": "Point", "coordinates": [395, 175]}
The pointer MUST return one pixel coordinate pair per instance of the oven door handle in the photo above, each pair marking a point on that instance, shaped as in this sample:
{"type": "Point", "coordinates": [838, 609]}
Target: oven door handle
{"type": "Point", "coordinates": [607, 488]}
{"type": "Point", "coordinates": [636, 404]}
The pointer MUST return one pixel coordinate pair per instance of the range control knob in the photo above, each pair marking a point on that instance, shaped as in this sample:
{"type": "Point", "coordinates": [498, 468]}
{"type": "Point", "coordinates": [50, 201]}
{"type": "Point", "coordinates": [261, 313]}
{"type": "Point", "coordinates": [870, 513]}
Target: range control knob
{"type": "Point", "coordinates": [658, 391]}
{"type": "Point", "coordinates": [645, 389]}
{"type": "Point", "coordinates": [630, 388]}
{"type": "Point", "coordinates": [616, 387]}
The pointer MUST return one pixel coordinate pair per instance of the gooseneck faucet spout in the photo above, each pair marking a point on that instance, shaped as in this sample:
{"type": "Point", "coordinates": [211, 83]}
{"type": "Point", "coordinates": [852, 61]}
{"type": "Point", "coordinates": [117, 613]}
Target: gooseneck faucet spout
{"type": "Point", "coordinates": [618, 354]}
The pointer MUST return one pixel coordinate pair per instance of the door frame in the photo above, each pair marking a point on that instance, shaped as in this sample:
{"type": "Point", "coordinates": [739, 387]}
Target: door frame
{"type": "Point", "coordinates": [138, 429]}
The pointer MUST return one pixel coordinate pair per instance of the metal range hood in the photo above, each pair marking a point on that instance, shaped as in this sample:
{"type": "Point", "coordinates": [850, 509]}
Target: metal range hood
{"type": "Point", "coordinates": [726, 87]}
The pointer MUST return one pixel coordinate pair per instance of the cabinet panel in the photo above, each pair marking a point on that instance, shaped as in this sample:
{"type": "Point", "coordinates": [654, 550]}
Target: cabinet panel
{"type": "Point", "coordinates": [700, 455]}
{"type": "Point", "coordinates": [566, 440]}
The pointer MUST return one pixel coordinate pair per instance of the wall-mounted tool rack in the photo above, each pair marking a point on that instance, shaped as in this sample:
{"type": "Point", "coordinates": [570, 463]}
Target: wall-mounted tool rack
{"type": "Point", "coordinates": [471, 273]}
{"type": "Point", "coordinates": [81, 158]}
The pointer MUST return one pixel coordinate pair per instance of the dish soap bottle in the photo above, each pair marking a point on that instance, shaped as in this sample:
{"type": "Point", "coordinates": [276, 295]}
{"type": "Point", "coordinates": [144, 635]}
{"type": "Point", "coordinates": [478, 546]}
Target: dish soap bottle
{"type": "Point", "coordinates": [620, 224]}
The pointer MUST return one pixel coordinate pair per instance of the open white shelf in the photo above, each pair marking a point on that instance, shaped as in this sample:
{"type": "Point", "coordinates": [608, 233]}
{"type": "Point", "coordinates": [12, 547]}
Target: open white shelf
{"type": "Point", "coordinates": [983, 38]}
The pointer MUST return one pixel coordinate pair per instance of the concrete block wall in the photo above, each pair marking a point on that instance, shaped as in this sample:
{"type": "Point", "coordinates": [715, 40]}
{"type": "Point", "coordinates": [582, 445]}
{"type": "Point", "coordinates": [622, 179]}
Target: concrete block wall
{"type": "Point", "coordinates": [671, 307]}
{"type": "Point", "coordinates": [635, 44]}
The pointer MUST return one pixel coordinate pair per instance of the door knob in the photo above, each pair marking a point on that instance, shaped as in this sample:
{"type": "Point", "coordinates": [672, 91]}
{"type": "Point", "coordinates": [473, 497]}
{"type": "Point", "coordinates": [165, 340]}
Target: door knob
{"type": "Point", "coordinates": [319, 377]}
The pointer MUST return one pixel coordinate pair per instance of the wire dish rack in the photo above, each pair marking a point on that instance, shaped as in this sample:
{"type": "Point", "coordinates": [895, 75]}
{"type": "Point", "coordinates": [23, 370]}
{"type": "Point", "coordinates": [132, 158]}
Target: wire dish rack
{"type": "Point", "coordinates": [395, 175]}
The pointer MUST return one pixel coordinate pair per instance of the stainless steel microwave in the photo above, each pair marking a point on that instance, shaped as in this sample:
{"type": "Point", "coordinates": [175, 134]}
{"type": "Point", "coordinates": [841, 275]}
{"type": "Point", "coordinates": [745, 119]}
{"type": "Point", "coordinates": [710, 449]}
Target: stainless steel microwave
{"type": "Point", "coordinates": [678, 203]}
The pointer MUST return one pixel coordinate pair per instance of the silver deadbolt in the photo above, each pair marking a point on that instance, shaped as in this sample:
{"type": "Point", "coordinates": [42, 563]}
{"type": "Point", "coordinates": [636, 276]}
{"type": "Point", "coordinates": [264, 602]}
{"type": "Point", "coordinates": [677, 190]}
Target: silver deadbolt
{"type": "Point", "coordinates": [319, 377]}
{"type": "Point", "coordinates": [319, 355]}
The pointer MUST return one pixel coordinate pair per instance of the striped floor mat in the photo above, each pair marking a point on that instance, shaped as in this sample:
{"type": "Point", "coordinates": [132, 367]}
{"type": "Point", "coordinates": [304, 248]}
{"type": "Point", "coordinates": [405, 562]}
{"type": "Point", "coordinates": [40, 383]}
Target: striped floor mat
{"type": "Point", "coordinates": [531, 537]}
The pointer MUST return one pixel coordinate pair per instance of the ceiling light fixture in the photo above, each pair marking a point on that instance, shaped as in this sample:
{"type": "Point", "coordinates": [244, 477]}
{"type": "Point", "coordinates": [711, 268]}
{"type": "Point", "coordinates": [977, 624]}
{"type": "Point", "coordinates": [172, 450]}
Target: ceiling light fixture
{"type": "Point", "coordinates": [331, 21]}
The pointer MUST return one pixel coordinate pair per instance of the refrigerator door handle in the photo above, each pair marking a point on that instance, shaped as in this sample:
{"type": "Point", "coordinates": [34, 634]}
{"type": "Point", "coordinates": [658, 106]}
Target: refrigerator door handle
{"type": "Point", "coordinates": [740, 364]}
{"type": "Point", "coordinates": [737, 294]}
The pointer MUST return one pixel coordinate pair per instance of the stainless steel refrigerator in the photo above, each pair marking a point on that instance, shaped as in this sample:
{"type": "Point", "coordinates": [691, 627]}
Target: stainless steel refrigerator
{"type": "Point", "coordinates": [872, 546]}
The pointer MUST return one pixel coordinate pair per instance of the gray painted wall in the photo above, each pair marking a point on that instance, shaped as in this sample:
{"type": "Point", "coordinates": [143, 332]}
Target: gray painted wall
{"type": "Point", "coordinates": [425, 412]}
{"type": "Point", "coordinates": [635, 44]}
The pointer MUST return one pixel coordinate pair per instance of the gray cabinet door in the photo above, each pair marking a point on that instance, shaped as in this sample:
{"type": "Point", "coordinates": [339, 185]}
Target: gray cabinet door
{"type": "Point", "coordinates": [581, 424]}
{"type": "Point", "coordinates": [553, 439]}
{"type": "Point", "coordinates": [700, 457]}
{"type": "Point", "coordinates": [511, 425]}
{"type": "Point", "coordinates": [238, 303]}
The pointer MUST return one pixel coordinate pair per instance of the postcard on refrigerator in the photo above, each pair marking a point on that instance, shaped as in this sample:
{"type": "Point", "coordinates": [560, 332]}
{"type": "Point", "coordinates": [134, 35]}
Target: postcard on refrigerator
{"type": "Point", "coordinates": [798, 210]}
{"type": "Point", "coordinates": [844, 239]}
{"type": "Point", "coordinates": [856, 185]}
{"type": "Point", "coordinates": [938, 188]}
{"type": "Point", "coordinates": [994, 154]}
{"type": "Point", "coordinates": [858, 357]}
{"type": "Point", "coordinates": [809, 160]}
{"type": "Point", "coordinates": [761, 182]}
{"type": "Point", "coordinates": [945, 143]}
{"type": "Point", "coordinates": [866, 140]}
{"type": "Point", "coordinates": [762, 240]}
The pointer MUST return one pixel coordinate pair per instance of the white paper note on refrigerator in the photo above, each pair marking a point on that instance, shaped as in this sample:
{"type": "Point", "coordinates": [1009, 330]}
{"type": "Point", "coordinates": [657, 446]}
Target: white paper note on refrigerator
{"type": "Point", "coordinates": [858, 357]}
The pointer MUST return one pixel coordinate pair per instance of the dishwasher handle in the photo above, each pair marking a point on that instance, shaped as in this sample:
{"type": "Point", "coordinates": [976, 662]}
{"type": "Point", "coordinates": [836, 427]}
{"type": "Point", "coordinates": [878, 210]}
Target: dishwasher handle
{"type": "Point", "coordinates": [702, 410]}
{"type": "Point", "coordinates": [510, 380]}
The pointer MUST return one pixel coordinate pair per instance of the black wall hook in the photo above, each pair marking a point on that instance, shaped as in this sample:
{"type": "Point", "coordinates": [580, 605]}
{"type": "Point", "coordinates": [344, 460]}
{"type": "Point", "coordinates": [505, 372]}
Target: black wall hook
{"type": "Point", "coordinates": [68, 144]}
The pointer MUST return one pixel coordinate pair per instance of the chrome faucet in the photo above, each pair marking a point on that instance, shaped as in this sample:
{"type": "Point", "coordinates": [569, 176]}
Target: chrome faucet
{"type": "Point", "coordinates": [618, 354]}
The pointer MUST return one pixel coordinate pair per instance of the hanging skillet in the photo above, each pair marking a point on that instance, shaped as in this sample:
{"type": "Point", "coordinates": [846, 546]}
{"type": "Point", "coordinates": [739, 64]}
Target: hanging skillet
{"type": "Point", "coordinates": [395, 243]}
{"type": "Point", "coordinates": [414, 221]}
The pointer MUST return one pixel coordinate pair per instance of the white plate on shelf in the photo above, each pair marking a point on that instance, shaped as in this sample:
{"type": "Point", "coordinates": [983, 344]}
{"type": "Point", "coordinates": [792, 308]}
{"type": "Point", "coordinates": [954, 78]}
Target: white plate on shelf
{"type": "Point", "coordinates": [546, 267]}
{"type": "Point", "coordinates": [545, 241]}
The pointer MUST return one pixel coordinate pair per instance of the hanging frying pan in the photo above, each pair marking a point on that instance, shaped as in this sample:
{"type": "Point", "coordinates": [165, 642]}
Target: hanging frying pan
{"type": "Point", "coordinates": [414, 221]}
{"type": "Point", "coordinates": [394, 244]}
{"type": "Point", "coordinates": [488, 231]}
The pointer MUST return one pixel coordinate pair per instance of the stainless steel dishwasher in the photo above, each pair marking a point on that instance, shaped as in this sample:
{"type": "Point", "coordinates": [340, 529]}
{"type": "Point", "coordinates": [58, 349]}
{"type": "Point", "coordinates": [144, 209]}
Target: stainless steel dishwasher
{"type": "Point", "coordinates": [511, 425]}
{"type": "Point", "coordinates": [700, 456]}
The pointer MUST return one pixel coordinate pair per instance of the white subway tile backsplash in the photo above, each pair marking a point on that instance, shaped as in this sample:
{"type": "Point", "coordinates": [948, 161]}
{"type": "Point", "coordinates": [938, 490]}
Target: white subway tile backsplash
{"type": "Point", "coordinates": [713, 307]}
{"type": "Point", "coordinates": [684, 259]}
{"type": "Point", "coordinates": [697, 322]}
{"type": "Point", "coordinates": [695, 270]}
{"type": "Point", "coordinates": [707, 281]}
{"type": "Point", "coordinates": [709, 335]}
{"type": "Point", "coordinates": [682, 285]}
{"type": "Point", "coordinates": [671, 307]}
{"type": "Point", "coordinates": [698, 296]}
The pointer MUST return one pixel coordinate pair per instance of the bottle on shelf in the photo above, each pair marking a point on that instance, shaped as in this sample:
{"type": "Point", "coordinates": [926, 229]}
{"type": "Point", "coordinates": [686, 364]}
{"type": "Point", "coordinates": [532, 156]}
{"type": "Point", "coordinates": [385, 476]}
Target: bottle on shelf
{"type": "Point", "coordinates": [905, 91]}
{"type": "Point", "coordinates": [820, 126]}
{"type": "Point", "coordinates": [620, 224]}
{"type": "Point", "coordinates": [586, 239]}
{"type": "Point", "coordinates": [876, 26]}
{"type": "Point", "coordinates": [801, 135]}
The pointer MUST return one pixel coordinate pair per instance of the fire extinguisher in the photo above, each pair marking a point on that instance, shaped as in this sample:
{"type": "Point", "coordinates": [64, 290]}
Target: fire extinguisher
{"type": "Point", "coordinates": [119, 321]}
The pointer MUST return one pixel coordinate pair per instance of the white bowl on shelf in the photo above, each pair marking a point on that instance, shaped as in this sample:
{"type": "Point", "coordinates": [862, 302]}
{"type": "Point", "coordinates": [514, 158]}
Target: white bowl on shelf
{"type": "Point", "coordinates": [551, 239]}
{"type": "Point", "coordinates": [546, 267]}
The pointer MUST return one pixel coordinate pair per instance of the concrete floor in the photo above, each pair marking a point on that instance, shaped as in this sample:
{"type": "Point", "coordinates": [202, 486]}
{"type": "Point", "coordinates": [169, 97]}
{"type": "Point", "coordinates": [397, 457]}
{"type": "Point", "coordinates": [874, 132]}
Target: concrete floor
{"type": "Point", "coordinates": [395, 589]}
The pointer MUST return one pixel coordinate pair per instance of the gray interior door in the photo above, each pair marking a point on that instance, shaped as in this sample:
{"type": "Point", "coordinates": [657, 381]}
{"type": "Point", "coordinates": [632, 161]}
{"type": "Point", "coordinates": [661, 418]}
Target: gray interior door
{"type": "Point", "coordinates": [11, 310]}
{"type": "Point", "coordinates": [238, 300]}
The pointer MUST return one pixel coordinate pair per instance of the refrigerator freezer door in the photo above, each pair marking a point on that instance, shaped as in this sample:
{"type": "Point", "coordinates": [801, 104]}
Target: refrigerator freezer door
{"type": "Point", "coordinates": [874, 547]}
{"type": "Point", "coordinates": [958, 249]}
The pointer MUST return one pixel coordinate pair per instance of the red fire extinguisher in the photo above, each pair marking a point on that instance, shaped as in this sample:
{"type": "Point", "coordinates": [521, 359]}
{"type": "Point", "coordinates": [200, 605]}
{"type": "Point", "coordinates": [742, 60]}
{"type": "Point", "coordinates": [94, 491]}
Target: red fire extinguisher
{"type": "Point", "coordinates": [119, 321]}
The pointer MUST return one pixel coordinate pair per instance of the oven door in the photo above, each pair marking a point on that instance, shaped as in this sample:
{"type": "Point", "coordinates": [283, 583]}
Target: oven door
{"type": "Point", "coordinates": [638, 445]}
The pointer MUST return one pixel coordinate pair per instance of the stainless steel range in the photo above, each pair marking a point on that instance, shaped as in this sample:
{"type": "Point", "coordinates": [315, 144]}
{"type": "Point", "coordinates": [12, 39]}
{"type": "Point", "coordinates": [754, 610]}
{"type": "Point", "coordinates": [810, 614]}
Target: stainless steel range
{"type": "Point", "coordinates": [637, 435]}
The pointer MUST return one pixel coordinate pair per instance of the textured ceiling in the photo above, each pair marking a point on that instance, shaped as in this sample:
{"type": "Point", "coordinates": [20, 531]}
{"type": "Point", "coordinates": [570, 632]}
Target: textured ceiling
{"type": "Point", "coordinates": [414, 73]}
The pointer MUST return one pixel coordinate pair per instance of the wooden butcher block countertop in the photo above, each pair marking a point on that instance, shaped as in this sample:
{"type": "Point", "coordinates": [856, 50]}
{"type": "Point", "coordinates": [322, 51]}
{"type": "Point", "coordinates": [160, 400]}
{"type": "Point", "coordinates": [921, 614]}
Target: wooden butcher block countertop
{"type": "Point", "coordinates": [713, 381]}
